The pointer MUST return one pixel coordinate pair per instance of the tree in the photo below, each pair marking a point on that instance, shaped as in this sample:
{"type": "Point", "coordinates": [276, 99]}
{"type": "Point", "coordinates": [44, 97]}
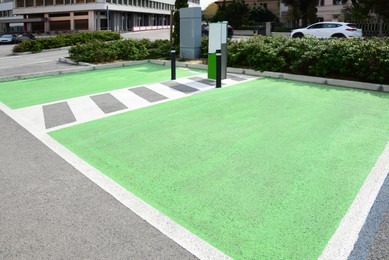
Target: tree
{"type": "Point", "coordinates": [176, 21]}
{"type": "Point", "coordinates": [304, 10]}
{"type": "Point", "coordinates": [210, 11]}
{"type": "Point", "coordinates": [364, 8]}
{"type": "Point", "coordinates": [235, 13]}
{"type": "Point", "coordinates": [261, 14]}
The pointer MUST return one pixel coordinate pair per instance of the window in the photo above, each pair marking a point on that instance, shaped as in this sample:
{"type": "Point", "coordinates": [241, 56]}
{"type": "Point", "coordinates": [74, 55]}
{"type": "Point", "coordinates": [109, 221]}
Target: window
{"type": "Point", "coordinates": [336, 2]}
{"type": "Point", "coordinates": [19, 3]}
{"type": "Point", "coordinates": [316, 26]}
{"type": "Point", "coordinates": [320, 3]}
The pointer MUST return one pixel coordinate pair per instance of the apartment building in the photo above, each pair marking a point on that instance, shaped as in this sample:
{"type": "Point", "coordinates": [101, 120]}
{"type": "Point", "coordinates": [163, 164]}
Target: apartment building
{"type": "Point", "coordinates": [329, 10]}
{"type": "Point", "coordinates": [92, 15]}
{"type": "Point", "coordinates": [8, 21]}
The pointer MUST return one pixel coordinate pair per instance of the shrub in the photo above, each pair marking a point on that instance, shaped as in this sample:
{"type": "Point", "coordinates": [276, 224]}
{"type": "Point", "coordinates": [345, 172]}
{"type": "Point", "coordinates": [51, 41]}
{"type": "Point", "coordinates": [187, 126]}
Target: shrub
{"type": "Point", "coordinates": [157, 49]}
{"type": "Point", "coordinates": [64, 40]}
{"type": "Point", "coordinates": [102, 52]}
{"type": "Point", "coordinates": [357, 59]}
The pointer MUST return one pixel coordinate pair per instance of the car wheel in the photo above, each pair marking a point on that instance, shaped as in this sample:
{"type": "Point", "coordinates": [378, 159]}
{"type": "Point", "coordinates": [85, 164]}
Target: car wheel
{"type": "Point", "coordinates": [339, 35]}
{"type": "Point", "coordinates": [298, 35]}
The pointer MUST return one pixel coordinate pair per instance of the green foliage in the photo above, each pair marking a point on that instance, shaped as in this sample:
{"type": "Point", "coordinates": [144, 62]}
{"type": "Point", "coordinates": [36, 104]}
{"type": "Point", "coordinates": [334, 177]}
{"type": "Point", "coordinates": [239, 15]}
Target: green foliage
{"type": "Point", "coordinates": [102, 52]}
{"type": "Point", "coordinates": [157, 49]}
{"type": "Point", "coordinates": [260, 14]}
{"type": "Point", "coordinates": [176, 20]}
{"type": "Point", "coordinates": [204, 47]}
{"type": "Point", "coordinates": [356, 59]}
{"type": "Point", "coordinates": [64, 40]}
{"type": "Point", "coordinates": [303, 9]}
{"type": "Point", "coordinates": [235, 13]}
{"type": "Point", "coordinates": [361, 9]}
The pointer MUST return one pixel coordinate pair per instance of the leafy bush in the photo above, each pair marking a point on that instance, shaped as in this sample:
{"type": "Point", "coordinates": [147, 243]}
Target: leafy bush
{"type": "Point", "coordinates": [204, 47]}
{"type": "Point", "coordinates": [357, 59]}
{"type": "Point", "coordinates": [157, 49]}
{"type": "Point", "coordinates": [102, 52]}
{"type": "Point", "coordinates": [64, 40]}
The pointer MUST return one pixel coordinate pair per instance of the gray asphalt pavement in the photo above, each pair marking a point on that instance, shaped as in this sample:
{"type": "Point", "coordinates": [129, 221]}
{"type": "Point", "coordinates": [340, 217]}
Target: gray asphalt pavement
{"type": "Point", "coordinates": [49, 210]}
{"type": "Point", "coordinates": [380, 246]}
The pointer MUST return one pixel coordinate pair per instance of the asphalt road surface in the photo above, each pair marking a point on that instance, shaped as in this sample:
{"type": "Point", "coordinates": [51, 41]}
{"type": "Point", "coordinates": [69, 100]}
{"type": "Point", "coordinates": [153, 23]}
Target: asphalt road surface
{"type": "Point", "coordinates": [50, 210]}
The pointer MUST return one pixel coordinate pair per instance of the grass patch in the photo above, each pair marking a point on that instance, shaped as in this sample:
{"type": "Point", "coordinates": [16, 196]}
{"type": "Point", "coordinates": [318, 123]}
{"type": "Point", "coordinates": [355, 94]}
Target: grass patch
{"type": "Point", "coordinates": [262, 170]}
{"type": "Point", "coordinates": [34, 91]}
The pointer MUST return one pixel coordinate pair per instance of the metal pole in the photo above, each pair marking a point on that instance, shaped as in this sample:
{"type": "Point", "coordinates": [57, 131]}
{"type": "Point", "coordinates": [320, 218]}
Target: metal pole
{"type": "Point", "coordinates": [173, 63]}
{"type": "Point", "coordinates": [171, 26]}
{"type": "Point", "coordinates": [218, 68]}
{"type": "Point", "coordinates": [107, 14]}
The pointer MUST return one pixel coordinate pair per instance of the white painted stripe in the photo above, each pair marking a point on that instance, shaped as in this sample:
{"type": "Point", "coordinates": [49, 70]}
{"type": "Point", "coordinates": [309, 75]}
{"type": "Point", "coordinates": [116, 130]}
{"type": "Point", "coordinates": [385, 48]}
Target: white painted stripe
{"type": "Point", "coordinates": [129, 99]}
{"type": "Point", "coordinates": [166, 91]}
{"type": "Point", "coordinates": [342, 242]}
{"type": "Point", "coordinates": [32, 115]}
{"type": "Point", "coordinates": [194, 84]}
{"type": "Point", "coordinates": [229, 82]}
{"type": "Point", "coordinates": [177, 233]}
{"type": "Point", "coordinates": [84, 109]}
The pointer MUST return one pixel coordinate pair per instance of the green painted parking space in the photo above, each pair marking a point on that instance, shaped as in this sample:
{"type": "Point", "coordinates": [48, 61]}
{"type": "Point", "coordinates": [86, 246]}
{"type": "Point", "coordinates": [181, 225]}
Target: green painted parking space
{"type": "Point", "coordinates": [34, 91]}
{"type": "Point", "coordinates": [262, 170]}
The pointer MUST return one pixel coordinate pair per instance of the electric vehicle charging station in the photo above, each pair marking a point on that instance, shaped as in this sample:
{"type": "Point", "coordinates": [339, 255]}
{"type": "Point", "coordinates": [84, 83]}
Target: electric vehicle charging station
{"type": "Point", "coordinates": [217, 38]}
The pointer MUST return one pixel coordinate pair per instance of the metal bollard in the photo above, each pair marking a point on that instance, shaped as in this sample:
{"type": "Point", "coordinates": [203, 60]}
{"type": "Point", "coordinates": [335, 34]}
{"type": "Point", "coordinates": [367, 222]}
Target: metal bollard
{"type": "Point", "coordinates": [218, 68]}
{"type": "Point", "coordinates": [173, 63]}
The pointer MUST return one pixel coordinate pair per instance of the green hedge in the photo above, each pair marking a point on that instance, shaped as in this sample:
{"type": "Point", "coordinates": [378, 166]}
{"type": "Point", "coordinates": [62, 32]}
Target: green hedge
{"type": "Point", "coordinates": [102, 52]}
{"type": "Point", "coordinates": [64, 40]}
{"type": "Point", "coordinates": [355, 59]}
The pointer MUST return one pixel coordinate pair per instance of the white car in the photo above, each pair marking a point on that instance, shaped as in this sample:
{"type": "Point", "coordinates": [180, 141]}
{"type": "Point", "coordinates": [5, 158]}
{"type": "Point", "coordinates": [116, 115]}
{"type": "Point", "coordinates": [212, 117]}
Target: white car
{"type": "Point", "coordinates": [328, 30]}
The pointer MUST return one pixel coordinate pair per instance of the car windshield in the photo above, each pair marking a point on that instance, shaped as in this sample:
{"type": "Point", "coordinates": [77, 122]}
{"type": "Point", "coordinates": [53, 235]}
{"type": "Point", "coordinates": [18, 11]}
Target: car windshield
{"type": "Point", "coordinates": [6, 36]}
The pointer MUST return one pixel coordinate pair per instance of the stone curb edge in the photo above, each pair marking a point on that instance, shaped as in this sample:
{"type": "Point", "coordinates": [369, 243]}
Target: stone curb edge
{"type": "Point", "coordinates": [268, 74]}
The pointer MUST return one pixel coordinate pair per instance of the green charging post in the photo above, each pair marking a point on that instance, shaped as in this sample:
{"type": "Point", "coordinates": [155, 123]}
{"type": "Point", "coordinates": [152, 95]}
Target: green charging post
{"type": "Point", "coordinates": [217, 40]}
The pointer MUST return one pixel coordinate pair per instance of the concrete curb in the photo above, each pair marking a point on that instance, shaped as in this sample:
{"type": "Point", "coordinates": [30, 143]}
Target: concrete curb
{"type": "Point", "coordinates": [250, 72]}
{"type": "Point", "coordinates": [319, 80]}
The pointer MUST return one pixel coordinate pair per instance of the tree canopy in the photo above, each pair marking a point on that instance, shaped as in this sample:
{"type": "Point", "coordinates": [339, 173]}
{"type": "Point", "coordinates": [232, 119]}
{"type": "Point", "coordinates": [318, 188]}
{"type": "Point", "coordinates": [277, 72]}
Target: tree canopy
{"type": "Point", "coordinates": [210, 11]}
{"type": "Point", "coordinates": [360, 9]}
{"type": "Point", "coordinates": [303, 9]}
{"type": "Point", "coordinates": [176, 20]}
{"type": "Point", "coordinates": [238, 13]}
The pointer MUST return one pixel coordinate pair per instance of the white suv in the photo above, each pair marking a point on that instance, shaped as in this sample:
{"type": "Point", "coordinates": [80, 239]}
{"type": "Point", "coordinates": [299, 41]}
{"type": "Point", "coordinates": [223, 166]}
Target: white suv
{"type": "Point", "coordinates": [329, 29]}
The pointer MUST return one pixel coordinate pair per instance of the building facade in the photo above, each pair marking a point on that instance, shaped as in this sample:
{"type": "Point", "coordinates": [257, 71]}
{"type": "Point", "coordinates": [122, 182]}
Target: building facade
{"type": "Point", "coordinates": [92, 15]}
{"type": "Point", "coordinates": [329, 10]}
{"type": "Point", "coordinates": [9, 22]}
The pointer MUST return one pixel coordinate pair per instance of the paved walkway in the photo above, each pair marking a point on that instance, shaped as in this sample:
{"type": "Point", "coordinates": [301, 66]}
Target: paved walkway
{"type": "Point", "coordinates": [78, 110]}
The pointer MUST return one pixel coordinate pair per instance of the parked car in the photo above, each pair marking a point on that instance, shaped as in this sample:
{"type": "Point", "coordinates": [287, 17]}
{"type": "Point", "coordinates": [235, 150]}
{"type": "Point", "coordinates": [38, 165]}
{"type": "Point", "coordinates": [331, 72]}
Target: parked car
{"type": "Point", "coordinates": [7, 38]}
{"type": "Point", "coordinates": [328, 30]}
{"type": "Point", "coordinates": [24, 37]}
{"type": "Point", "coordinates": [205, 30]}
